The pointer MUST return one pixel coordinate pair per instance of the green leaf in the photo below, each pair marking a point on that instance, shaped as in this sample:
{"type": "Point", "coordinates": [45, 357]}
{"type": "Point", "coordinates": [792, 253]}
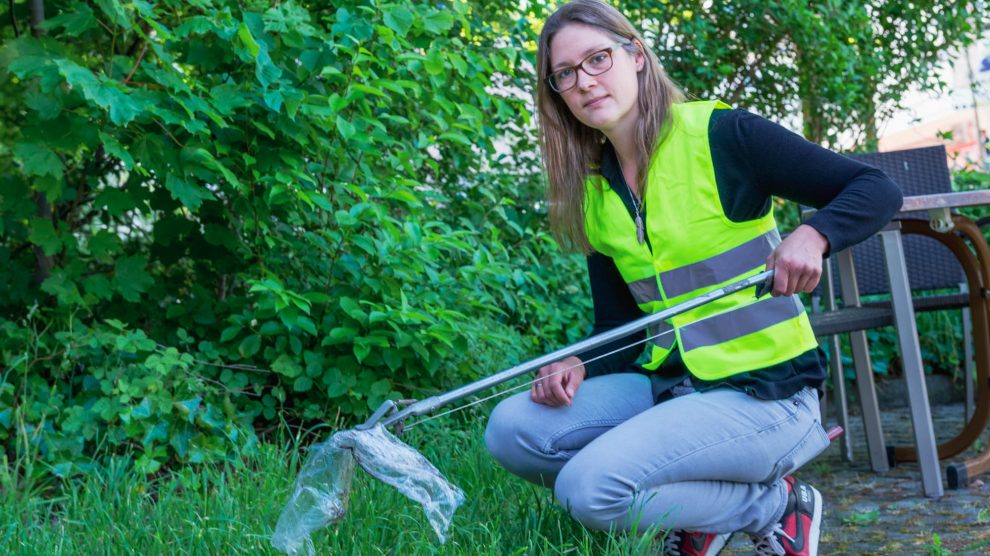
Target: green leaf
{"type": "Point", "coordinates": [367, 89]}
{"type": "Point", "coordinates": [38, 160]}
{"type": "Point", "coordinates": [98, 286]}
{"type": "Point", "coordinates": [49, 186]}
{"type": "Point", "coordinates": [74, 22]}
{"type": "Point", "coordinates": [361, 351]}
{"type": "Point", "coordinates": [287, 366]}
{"type": "Point", "coordinates": [104, 244]}
{"type": "Point", "coordinates": [188, 407]}
{"type": "Point", "coordinates": [249, 346]}
{"type": "Point", "coordinates": [197, 25]}
{"type": "Point", "coordinates": [380, 387]}
{"type": "Point", "coordinates": [339, 335]}
{"type": "Point", "coordinates": [122, 106]}
{"type": "Point", "coordinates": [353, 309]}
{"type": "Point", "coordinates": [393, 358]}
{"type": "Point", "coordinates": [345, 128]}
{"type": "Point", "coordinates": [116, 150]}
{"type": "Point", "coordinates": [306, 324]}
{"type": "Point", "coordinates": [230, 333]}
{"type": "Point", "coordinates": [62, 287]}
{"type": "Point", "coordinates": [189, 194]}
{"type": "Point", "coordinates": [142, 410]}
{"type": "Point", "coordinates": [207, 159]}
{"type": "Point", "coordinates": [434, 61]}
{"type": "Point", "coordinates": [130, 277]}
{"type": "Point", "coordinates": [337, 383]}
{"type": "Point", "coordinates": [456, 137]}
{"type": "Point", "coordinates": [46, 105]}
{"type": "Point", "coordinates": [405, 195]}
{"type": "Point", "coordinates": [252, 45]}
{"type": "Point", "coordinates": [158, 432]}
{"type": "Point", "coordinates": [25, 57]}
{"type": "Point", "coordinates": [43, 234]}
{"type": "Point", "coordinates": [399, 19]}
{"type": "Point", "coordinates": [302, 384]}
{"type": "Point", "coordinates": [116, 12]}
{"type": "Point", "coordinates": [438, 22]}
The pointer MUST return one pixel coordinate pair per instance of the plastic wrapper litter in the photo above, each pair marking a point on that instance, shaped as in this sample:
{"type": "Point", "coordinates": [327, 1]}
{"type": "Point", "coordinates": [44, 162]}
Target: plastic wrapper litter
{"type": "Point", "coordinates": [321, 492]}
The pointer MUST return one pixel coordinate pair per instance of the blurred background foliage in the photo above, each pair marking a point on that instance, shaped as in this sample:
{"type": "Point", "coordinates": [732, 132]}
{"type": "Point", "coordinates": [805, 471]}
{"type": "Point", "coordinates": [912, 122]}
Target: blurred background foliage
{"type": "Point", "coordinates": [217, 216]}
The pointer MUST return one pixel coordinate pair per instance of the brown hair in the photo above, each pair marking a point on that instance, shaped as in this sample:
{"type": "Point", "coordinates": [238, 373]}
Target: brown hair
{"type": "Point", "coordinates": [571, 150]}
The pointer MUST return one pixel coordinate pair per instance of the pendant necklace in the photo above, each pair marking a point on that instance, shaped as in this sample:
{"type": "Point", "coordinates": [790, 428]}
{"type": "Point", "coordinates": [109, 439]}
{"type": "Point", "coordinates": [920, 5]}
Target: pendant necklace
{"type": "Point", "coordinates": [640, 232]}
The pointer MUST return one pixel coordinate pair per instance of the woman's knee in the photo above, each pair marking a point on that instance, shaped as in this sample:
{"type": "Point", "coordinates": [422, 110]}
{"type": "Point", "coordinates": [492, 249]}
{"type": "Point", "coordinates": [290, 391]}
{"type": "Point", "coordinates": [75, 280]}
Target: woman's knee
{"type": "Point", "coordinates": [505, 434]}
{"type": "Point", "coordinates": [593, 497]}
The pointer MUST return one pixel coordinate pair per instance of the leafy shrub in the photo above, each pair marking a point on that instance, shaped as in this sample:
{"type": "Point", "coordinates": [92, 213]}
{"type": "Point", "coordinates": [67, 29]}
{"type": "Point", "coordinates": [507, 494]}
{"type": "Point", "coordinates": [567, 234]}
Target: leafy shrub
{"type": "Point", "coordinates": [221, 214]}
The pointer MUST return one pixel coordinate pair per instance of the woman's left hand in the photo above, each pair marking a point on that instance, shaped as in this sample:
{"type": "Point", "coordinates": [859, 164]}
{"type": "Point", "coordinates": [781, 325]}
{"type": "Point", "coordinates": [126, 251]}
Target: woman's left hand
{"type": "Point", "coordinates": [797, 261]}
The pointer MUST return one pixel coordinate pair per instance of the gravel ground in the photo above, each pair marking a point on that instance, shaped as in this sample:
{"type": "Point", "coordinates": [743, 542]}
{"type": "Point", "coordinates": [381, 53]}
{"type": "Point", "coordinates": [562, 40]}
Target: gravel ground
{"type": "Point", "coordinates": [868, 513]}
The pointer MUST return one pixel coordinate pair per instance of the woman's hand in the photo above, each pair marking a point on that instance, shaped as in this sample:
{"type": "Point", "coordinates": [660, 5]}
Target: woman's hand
{"type": "Point", "coordinates": [797, 261]}
{"type": "Point", "coordinates": [556, 386]}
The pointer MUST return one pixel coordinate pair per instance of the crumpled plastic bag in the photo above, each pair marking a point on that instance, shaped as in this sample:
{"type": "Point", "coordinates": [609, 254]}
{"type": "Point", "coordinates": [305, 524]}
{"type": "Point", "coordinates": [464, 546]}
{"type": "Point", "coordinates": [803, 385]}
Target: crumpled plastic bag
{"type": "Point", "coordinates": [321, 492]}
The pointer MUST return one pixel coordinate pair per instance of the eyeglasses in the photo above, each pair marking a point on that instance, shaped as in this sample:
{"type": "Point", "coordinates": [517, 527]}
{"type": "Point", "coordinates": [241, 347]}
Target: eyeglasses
{"type": "Point", "coordinates": [595, 64]}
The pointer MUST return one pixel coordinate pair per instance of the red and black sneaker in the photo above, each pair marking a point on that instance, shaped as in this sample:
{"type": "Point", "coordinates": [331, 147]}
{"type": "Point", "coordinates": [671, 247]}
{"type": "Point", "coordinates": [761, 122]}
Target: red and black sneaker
{"type": "Point", "coordinates": [689, 543]}
{"type": "Point", "coordinates": [797, 532]}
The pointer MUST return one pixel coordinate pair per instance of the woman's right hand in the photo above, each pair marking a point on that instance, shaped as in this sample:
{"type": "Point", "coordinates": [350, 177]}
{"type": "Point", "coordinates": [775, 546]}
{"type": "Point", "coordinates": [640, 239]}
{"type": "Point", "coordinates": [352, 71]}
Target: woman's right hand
{"type": "Point", "coordinates": [557, 382]}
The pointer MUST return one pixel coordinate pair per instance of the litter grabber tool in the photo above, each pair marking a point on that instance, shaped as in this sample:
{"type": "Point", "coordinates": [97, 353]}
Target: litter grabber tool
{"type": "Point", "coordinates": [322, 490]}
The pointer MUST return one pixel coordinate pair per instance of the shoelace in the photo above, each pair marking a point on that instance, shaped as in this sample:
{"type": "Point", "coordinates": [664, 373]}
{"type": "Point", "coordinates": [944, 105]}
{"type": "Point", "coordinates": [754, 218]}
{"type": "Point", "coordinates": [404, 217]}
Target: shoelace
{"type": "Point", "coordinates": [672, 547]}
{"type": "Point", "coordinates": [769, 544]}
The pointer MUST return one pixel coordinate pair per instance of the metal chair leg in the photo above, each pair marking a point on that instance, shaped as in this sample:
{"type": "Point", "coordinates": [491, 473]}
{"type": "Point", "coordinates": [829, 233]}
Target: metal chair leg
{"type": "Point", "coordinates": [914, 374]}
{"type": "Point", "coordinates": [841, 402]}
{"type": "Point", "coordinates": [969, 362]}
{"type": "Point", "coordinates": [864, 368]}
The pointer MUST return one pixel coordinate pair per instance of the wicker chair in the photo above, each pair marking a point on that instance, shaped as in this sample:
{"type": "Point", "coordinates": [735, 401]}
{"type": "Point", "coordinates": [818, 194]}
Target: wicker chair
{"type": "Point", "coordinates": [938, 281]}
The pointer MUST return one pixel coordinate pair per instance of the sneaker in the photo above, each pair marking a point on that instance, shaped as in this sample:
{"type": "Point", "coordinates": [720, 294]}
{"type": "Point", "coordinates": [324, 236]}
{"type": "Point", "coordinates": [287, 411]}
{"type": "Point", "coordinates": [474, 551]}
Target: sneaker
{"type": "Point", "coordinates": [687, 543]}
{"type": "Point", "coordinates": [797, 532]}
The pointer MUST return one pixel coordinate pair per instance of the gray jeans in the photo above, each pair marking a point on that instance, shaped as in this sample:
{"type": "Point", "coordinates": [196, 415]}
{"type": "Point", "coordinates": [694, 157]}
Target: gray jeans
{"type": "Point", "coordinates": [711, 461]}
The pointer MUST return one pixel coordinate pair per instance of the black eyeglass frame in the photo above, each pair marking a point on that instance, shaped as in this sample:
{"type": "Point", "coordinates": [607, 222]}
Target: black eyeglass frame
{"type": "Point", "coordinates": [580, 66]}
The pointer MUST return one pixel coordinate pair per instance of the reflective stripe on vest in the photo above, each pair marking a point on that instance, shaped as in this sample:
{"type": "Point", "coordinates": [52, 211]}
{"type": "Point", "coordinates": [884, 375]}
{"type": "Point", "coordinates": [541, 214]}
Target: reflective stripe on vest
{"type": "Point", "coordinates": [646, 290]}
{"type": "Point", "coordinates": [708, 272]}
{"type": "Point", "coordinates": [661, 335]}
{"type": "Point", "coordinates": [720, 268]}
{"type": "Point", "coordinates": [721, 328]}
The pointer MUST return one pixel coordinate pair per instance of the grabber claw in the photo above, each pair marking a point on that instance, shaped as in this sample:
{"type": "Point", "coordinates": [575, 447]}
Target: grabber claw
{"type": "Point", "coordinates": [387, 408]}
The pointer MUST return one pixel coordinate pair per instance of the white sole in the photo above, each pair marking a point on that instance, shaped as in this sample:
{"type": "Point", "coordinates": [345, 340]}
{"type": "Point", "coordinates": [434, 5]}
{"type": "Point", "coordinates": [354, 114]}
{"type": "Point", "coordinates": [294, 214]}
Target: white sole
{"type": "Point", "coordinates": [719, 543]}
{"type": "Point", "coordinates": [816, 524]}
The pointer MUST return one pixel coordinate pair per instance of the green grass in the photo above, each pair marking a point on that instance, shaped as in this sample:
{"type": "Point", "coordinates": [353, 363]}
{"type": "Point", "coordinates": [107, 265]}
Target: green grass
{"type": "Point", "coordinates": [233, 508]}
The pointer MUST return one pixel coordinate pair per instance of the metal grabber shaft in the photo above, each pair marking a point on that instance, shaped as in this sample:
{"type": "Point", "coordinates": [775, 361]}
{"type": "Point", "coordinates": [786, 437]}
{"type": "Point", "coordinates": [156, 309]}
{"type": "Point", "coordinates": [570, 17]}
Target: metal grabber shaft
{"type": "Point", "coordinates": [763, 281]}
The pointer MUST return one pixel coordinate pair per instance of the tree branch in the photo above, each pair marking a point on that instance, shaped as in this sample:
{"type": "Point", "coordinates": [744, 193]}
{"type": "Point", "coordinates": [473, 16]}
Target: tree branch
{"type": "Point", "coordinates": [37, 16]}
{"type": "Point", "coordinates": [44, 263]}
{"type": "Point", "coordinates": [144, 48]}
{"type": "Point", "coordinates": [13, 19]}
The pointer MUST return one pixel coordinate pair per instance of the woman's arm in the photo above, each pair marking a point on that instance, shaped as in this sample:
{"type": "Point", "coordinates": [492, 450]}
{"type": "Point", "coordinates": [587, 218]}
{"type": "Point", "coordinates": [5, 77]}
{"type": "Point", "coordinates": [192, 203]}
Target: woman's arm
{"type": "Point", "coordinates": [614, 306]}
{"type": "Point", "coordinates": [756, 159]}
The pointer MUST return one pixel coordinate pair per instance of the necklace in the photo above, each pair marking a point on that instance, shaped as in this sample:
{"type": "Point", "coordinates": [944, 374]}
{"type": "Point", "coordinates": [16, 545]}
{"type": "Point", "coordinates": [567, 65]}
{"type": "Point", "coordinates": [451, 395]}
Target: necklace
{"type": "Point", "coordinates": [640, 232]}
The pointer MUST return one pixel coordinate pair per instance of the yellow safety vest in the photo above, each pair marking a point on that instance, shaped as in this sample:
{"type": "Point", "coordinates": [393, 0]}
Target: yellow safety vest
{"type": "Point", "coordinates": [695, 249]}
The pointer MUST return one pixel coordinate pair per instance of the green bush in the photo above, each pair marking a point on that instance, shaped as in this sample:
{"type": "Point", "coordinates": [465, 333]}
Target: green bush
{"type": "Point", "coordinates": [222, 214]}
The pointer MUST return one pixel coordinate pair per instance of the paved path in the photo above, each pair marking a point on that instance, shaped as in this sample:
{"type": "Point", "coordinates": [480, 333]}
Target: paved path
{"type": "Point", "coordinates": [867, 513]}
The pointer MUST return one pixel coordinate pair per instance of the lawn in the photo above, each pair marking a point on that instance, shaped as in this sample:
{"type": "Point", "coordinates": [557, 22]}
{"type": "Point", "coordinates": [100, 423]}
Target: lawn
{"type": "Point", "coordinates": [233, 508]}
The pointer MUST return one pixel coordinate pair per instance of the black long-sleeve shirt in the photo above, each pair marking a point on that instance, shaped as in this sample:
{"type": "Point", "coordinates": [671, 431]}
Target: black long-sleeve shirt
{"type": "Point", "coordinates": [754, 160]}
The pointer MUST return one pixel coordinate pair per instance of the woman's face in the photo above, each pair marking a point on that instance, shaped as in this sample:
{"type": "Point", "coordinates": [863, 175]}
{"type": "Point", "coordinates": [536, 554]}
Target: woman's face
{"type": "Point", "coordinates": [608, 101]}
